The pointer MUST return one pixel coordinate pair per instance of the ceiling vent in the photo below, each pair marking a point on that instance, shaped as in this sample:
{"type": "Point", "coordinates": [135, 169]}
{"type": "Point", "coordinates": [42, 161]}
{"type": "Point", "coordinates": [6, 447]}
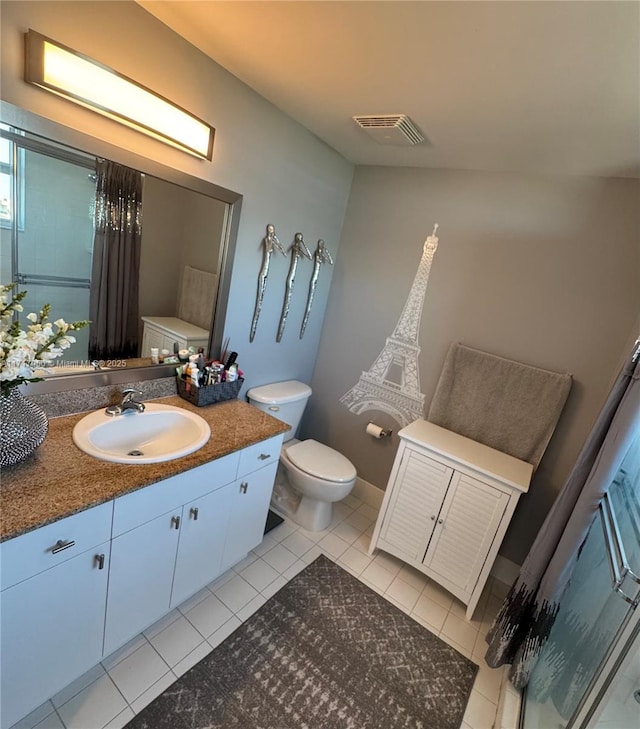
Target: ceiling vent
{"type": "Point", "coordinates": [390, 129]}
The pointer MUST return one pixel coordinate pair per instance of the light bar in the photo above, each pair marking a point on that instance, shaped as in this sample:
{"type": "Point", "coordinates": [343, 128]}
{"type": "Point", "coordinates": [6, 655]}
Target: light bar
{"type": "Point", "coordinates": [76, 77]}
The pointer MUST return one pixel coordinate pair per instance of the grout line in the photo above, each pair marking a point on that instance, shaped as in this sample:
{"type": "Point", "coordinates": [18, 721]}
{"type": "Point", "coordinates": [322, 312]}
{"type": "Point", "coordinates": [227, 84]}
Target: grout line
{"type": "Point", "coordinates": [121, 694]}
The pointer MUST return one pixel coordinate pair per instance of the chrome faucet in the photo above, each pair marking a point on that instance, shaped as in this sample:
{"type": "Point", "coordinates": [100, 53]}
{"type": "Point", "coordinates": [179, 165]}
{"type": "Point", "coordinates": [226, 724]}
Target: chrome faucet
{"type": "Point", "coordinates": [128, 402]}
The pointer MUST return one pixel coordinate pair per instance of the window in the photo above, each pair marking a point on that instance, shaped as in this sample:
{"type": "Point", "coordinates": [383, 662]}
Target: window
{"type": "Point", "coordinates": [8, 150]}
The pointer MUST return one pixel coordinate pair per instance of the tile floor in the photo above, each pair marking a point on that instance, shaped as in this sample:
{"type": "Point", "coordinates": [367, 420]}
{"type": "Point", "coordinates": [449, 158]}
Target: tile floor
{"type": "Point", "coordinates": [112, 692]}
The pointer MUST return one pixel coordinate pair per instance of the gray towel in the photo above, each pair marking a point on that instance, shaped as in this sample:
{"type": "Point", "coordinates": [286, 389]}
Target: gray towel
{"type": "Point", "coordinates": [506, 405]}
{"type": "Point", "coordinates": [197, 297]}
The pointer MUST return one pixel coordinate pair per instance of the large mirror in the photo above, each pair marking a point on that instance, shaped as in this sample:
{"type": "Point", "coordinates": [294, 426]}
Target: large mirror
{"type": "Point", "coordinates": [47, 214]}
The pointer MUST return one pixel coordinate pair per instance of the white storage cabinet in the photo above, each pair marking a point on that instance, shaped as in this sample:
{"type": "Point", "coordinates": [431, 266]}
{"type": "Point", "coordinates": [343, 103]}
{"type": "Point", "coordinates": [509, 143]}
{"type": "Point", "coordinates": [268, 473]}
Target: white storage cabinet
{"type": "Point", "coordinates": [164, 332]}
{"type": "Point", "coordinates": [447, 507]}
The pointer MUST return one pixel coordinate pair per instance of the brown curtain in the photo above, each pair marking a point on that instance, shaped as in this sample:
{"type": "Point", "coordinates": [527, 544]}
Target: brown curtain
{"type": "Point", "coordinates": [113, 301]}
{"type": "Point", "coordinates": [524, 622]}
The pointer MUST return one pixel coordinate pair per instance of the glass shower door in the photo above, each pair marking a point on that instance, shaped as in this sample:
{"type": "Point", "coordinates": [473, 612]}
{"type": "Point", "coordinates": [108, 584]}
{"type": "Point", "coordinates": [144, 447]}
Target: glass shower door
{"type": "Point", "coordinates": [47, 232]}
{"type": "Point", "coordinates": [620, 704]}
{"type": "Point", "coordinates": [597, 607]}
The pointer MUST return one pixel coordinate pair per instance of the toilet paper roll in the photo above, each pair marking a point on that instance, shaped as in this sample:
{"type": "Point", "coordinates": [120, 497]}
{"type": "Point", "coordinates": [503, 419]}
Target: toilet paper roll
{"type": "Point", "coordinates": [375, 430]}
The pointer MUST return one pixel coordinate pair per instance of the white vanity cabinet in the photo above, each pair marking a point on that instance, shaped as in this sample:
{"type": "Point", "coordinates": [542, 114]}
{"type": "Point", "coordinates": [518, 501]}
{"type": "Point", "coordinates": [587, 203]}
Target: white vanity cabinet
{"type": "Point", "coordinates": [76, 590]}
{"type": "Point", "coordinates": [54, 589]}
{"type": "Point", "coordinates": [447, 506]}
{"type": "Point", "coordinates": [250, 497]}
{"type": "Point", "coordinates": [174, 537]}
{"type": "Point", "coordinates": [146, 555]}
{"type": "Point", "coordinates": [203, 532]}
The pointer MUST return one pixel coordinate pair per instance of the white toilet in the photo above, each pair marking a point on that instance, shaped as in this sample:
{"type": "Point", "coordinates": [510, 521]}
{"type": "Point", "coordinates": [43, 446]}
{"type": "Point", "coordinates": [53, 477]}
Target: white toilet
{"type": "Point", "coordinates": [315, 476]}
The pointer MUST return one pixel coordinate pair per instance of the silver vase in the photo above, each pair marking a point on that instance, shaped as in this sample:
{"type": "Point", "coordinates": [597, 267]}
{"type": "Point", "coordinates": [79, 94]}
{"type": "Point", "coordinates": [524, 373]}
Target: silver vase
{"type": "Point", "coordinates": [23, 427]}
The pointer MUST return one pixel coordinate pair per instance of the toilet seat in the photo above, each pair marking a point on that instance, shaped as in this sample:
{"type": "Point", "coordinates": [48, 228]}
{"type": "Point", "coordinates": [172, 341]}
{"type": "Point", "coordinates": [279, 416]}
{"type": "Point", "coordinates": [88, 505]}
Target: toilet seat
{"type": "Point", "coordinates": [321, 461]}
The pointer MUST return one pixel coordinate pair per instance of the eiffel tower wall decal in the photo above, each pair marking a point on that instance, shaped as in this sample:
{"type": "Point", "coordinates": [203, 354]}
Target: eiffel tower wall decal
{"type": "Point", "coordinates": [392, 383]}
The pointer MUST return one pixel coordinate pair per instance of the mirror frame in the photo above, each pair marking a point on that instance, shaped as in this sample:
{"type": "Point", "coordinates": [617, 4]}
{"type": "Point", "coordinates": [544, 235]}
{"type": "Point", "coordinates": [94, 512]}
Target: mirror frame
{"type": "Point", "coordinates": [67, 136]}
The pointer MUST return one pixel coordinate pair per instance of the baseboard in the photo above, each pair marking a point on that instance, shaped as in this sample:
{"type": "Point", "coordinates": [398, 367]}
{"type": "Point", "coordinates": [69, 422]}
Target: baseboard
{"type": "Point", "coordinates": [368, 493]}
{"type": "Point", "coordinates": [504, 570]}
{"type": "Point", "coordinates": [509, 705]}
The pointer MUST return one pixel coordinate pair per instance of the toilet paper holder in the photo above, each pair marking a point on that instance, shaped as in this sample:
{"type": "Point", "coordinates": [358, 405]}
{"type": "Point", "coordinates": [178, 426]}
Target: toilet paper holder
{"type": "Point", "coordinates": [377, 432]}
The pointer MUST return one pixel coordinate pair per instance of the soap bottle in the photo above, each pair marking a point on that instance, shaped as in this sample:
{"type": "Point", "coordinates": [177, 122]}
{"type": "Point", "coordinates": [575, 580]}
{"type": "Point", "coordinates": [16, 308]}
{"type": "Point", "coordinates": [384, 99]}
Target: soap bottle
{"type": "Point", "coordinates": [194, 375]}
{"type": "Point", "coordinates": [232, 373]}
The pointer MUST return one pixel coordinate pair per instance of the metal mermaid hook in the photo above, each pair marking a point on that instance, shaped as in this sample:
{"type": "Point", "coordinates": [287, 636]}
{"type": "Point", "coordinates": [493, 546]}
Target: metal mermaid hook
{"type": "Point", "coordinates": [298, 248]}
{"type": "Point", "coordinates": [269, 242]}
{"type": "Point", "coordinates": [321, 256]}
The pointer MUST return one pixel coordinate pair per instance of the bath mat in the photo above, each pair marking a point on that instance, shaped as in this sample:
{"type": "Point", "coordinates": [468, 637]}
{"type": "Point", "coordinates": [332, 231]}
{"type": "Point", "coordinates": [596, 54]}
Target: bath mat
{"type": "Point", "coordinates": [325, 652]}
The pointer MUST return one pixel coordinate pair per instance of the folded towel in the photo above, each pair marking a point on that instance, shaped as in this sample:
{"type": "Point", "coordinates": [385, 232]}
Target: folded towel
{"type": "Point", "coordinates": [507, 405]}
{"type": "Point", "coordinates": [197, 297]}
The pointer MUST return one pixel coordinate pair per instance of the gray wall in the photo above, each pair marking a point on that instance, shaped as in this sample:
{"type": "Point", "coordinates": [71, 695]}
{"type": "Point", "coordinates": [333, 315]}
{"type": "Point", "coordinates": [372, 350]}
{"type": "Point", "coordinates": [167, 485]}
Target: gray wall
{"type": "Point", "coordinates": [543, 270]}
{"type": "Point", "coordinates": [161, 248]}
{"type": "Point", "coordinates": [179, 228]}
{"type": "Point", "coordinates": [287, 176]}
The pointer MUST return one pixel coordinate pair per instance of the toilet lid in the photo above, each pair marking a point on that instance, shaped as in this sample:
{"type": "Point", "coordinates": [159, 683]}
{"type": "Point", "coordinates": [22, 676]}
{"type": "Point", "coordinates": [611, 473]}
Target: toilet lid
{"type": "Point", "coordinates": [321, 461]}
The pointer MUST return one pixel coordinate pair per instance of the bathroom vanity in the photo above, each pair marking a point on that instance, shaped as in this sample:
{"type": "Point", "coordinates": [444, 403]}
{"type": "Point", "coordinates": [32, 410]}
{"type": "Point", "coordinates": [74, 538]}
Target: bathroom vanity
{"type": "Point", "coordinates": [76, 587]}
{"type": "Point", "coordinates": [447, 507]}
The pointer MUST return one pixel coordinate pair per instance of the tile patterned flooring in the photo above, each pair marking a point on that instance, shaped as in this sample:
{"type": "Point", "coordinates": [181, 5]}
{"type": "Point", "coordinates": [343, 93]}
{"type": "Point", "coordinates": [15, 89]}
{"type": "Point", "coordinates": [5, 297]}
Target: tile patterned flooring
{"type": "Point", "coordinates": [111, 693]}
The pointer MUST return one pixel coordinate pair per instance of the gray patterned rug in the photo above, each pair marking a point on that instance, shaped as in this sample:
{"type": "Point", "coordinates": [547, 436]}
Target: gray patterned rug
{"type": "Point", "coordinates": [325, 652]}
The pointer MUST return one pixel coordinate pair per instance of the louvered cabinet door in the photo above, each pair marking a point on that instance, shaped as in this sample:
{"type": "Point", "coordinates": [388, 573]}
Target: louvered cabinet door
{"type": "Point", "coordinates": [464, 533]}
{"type": "Point", "coordinates": [418, 492]}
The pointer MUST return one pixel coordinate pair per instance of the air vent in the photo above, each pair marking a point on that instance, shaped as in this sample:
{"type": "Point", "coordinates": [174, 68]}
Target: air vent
{"type": "Point", "coordinates": [390, 129]}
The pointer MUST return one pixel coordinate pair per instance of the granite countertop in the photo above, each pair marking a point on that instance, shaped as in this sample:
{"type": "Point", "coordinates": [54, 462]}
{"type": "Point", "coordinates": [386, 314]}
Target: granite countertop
{"type": "Point", "coordinates": [59, 479]}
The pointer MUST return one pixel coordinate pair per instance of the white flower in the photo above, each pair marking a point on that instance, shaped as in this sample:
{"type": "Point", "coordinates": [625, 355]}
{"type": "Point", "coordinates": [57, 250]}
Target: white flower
{"type": "Point", "coordinates": [23, 353]}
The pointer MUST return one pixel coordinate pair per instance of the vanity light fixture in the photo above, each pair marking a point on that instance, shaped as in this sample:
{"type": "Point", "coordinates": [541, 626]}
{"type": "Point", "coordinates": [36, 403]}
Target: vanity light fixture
{"type": "Point", "coordinates": [63, 71]}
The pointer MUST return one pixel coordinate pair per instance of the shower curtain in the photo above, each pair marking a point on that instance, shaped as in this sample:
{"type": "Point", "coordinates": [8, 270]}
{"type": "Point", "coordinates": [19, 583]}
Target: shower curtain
{"type": "Point", "coordinates": [113, 301]}
{"type": "Point", "coordinates": [527, 615]}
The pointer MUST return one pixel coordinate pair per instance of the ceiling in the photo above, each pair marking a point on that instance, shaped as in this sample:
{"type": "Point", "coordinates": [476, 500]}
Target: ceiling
{"type": "Point", "coordinates": [535, 87]}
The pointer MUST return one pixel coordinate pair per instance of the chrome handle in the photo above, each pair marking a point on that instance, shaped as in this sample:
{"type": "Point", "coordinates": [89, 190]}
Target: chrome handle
{"type": "Point", "coordinates": [99, 560]}
{"type": "Point", "coordinates": [243, 487]}
{"type": "Point", "coordinates": [175, 522]}
{"type": "Point", "coordinates": [264, 456]}
{"type": "Point", "coordinates": [619, 544]}
{"type": "Point", "coordinates": [194, 513]}
{"type": "Point", "coordinates": [615, 552]}
{"type": "Point", "coordinates": [60, 545]}
{"type": "Point", "coordinates": [626, 598]}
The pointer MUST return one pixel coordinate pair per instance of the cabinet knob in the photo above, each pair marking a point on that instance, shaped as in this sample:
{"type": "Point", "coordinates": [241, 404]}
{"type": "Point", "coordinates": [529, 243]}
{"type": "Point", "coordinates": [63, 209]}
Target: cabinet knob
{"type": "Point", "coordinates": [175, 522]}
{"type": "Point", "coordinates": [61, 544]}
{"type": "Point", "coordinates": [99, 560]}
{"type": "Point", "coordinates": [194, 513]}
{"type": "Point", "coordinates": [440, 521]}
{"type": "Point", "coordinates": [433, 517]}
{"type": "Point", "coordinates": [243, 487]}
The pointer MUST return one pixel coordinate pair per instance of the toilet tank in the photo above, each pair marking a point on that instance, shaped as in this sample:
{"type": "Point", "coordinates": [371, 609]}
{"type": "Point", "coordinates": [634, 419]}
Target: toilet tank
{"type": "Point", "coordinates": [284, 400]}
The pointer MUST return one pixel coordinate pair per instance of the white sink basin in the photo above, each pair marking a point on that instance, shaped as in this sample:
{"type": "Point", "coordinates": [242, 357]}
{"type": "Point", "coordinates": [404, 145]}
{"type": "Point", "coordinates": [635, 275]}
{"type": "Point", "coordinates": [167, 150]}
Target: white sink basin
{"type": "Point", "coordinates": [160, 433]}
